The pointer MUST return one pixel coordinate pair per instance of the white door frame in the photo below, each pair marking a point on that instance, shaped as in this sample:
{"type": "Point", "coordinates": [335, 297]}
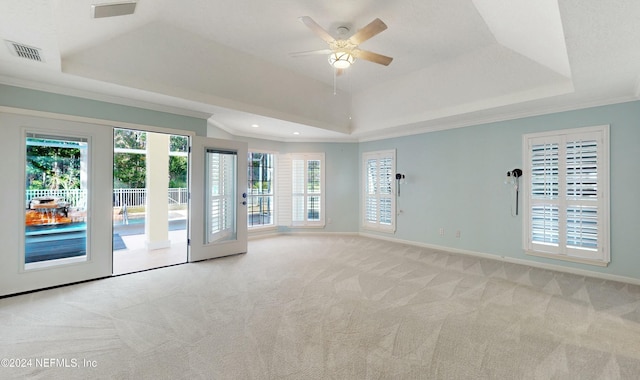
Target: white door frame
{"type": "Point", "coordinates": [15, 123]}
{"type": "Point", "coordinates": [199, 249]}
{"type": "Point", "coordinates": [14, 277]}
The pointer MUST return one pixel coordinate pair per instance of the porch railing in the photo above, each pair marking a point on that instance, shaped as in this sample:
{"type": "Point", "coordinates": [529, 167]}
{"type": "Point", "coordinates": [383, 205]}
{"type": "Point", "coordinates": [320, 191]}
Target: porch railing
{"type": "Point", "coordinates": [131, 197]}
{"type": "Point", "coordinates": [76, 197]}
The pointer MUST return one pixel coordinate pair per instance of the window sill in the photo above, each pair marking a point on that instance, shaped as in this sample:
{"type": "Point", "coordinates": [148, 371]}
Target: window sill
{"type": "Point", "coordinates": [572, 259]}
{"type": "Point", "coordinates": [262, 228]}
{"type": "Point", "coordinates": [307, 226]}
{"type": "Point", "coordinates": [381, 230]}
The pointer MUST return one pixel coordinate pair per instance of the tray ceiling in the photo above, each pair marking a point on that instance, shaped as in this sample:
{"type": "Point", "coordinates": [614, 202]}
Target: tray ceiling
{"type": "Point", "coordinates": [456, 63]}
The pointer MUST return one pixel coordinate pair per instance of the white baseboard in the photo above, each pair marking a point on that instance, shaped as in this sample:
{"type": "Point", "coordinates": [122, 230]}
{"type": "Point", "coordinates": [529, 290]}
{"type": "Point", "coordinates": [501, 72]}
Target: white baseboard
{"type": "Point", "coordinates": [323, 233]}
{"type": "Point", "coordinates": [512, 260]}
{"type": "Point", "coordinates": [259, 235]}
{"type": "Point", "coordinates": [263, 234]}
{"type": "Point", "coordinates": [490, 256]}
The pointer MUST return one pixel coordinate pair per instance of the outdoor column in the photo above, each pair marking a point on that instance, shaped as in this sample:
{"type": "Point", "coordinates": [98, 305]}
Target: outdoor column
{"type": "Point", "coordinates": [157, 207]}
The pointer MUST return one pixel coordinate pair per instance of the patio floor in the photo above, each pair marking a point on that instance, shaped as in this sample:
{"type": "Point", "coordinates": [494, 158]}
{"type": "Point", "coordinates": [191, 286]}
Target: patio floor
{"type": "Point", "coordinates": [137, 257]}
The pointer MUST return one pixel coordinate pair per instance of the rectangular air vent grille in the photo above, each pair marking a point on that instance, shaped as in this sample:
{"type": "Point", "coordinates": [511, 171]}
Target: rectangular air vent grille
{"type": "Point", "coordinates": [25, 51]}
{"type": "Point", "coordinates": [113, 9]}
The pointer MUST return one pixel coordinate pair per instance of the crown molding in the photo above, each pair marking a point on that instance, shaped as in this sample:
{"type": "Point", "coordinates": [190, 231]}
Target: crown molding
{"type": "Point", "coordinates": [408, 131]}
{"type": "Point", "coordinates": [114, 99]}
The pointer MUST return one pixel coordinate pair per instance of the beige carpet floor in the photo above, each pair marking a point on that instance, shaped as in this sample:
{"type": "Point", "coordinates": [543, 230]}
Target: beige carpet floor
{"type": "Point", "coordinates": [327, 307]}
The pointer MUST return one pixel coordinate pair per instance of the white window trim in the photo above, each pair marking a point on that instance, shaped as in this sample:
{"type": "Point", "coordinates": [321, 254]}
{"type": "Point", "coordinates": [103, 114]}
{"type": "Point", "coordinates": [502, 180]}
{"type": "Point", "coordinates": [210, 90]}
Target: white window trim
{"type": "Point", "coordinates": [377, 226]}
{"type": "Point", "coordinates": [603, 256]}
{"type": "Point", "coordinates": [274, 186]}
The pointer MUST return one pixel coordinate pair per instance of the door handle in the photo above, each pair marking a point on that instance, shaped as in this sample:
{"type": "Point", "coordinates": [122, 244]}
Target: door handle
{"type": "Point", "coordinates": [244, 203]}
{"type": "Point", "coordinates": [244, 195]}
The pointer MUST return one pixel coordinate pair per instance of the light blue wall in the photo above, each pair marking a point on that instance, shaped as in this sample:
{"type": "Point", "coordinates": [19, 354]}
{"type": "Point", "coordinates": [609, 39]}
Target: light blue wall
{"type": "Point", "coordinates": [455, 181]}
{"type": "Point", "coordinates": [17, 97]}
{"type": "Point", "coordinates": [454, 177]}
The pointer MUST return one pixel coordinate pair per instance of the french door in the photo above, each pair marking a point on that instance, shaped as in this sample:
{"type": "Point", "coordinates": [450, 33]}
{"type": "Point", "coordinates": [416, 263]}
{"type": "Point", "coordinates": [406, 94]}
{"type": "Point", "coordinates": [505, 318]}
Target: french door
{"type": "Point", "coordinates": [58, 202]}
{"type": "Point", "coordinates": [56, 205]}
{"type": "Point", "coordinates": [218, 215]}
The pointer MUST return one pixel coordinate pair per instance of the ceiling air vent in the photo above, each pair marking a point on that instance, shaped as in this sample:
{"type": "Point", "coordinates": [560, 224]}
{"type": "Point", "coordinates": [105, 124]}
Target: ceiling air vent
{"type": "Point", "coordinates": [24, 51]}
{"type": "Point", "coordinates": [113, 9]}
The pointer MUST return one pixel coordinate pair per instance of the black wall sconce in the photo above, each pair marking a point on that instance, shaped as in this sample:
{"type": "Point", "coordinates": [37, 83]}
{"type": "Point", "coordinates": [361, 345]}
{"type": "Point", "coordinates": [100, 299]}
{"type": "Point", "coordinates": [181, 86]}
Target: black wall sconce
{"type": "Point", "coordinates": [512, 179]}
{"type": "Point", "coordinates": [399, 178]}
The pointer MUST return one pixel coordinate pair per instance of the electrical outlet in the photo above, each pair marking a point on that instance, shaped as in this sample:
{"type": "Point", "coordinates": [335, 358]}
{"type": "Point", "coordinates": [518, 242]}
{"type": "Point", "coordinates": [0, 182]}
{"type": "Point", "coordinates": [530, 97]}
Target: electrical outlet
{"type": "Point", "coordinates": [458, 234]}
{"type": "Point", "coordinates": [441, 231]}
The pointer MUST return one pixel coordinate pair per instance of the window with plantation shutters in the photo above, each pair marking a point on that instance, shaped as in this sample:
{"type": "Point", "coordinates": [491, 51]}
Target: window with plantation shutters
{"type": "Point", "coordinates": [566, 182]}
{"type": "Point", "coordinates": [379, 190]}
{"type": "Point", "coordinates": [302, 179]}
{"type": "Point", "coordinates": [221, 168]}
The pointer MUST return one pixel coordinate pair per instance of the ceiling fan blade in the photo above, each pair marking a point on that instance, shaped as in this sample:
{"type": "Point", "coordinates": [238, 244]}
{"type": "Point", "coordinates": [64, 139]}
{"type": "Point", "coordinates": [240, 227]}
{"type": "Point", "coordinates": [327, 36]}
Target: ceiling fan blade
{"type": "Point", "coordinates": [310, 52]}
{"type": "Point", "coordinates": [317, 29]}
{"type": "Point", "coordinates": [374, 27]}
{"type": "Point", "coordinates": [372, 57]}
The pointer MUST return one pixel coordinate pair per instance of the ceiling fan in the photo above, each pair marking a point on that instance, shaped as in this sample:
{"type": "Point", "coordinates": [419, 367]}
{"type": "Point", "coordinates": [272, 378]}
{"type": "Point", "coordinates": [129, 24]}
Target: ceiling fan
{"type": "Point", "coordinates": [343, 52]}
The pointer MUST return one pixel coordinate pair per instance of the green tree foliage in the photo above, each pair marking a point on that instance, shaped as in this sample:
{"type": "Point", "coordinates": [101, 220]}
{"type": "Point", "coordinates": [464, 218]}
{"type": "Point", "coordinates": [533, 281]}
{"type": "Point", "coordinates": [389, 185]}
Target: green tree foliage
{"type": "Point", "coordinates": [177, 171]}
{"type": "Point", "coordinates": [178, 144]}
{"type": "Point", "coordinates": [52, 165]}
{"type": "Point", "coordinates": [129, 168]}
{"type": "Point", "coordinates": [129, 139]}
{"type": "Point", "coordinates": [178, 165]}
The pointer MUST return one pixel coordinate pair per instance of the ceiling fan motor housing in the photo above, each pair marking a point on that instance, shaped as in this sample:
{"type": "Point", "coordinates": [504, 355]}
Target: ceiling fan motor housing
{"type": "Point", "coordinates": [343, 52]}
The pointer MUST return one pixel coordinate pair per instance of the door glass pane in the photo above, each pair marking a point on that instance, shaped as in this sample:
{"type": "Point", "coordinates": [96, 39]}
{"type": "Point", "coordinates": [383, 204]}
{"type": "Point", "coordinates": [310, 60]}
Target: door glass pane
{"type": "Point", "coordinates": [149, 212]}
{"type": "Point", "coordinates": [221, 196]}
{"type": "Point", "coordinates": [56, 200]}
{"type": "Point", "coordinates": [260, 189]}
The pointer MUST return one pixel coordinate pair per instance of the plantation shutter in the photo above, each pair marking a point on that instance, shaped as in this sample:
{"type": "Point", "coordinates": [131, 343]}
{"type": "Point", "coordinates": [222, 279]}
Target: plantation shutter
{"type": "Point", "coordinates": [220, 202]}
{"type": "Point", "coordinates": [298, 180]}
{"type": "Point", "coordinates": [284, 190]}
{"type": "Point", "coordinates": [544, 194]}
{"type": "Point", "coordinates": [371, 191]}
{"type": "Point", "coordinates": [567, 199]}
{"type": "Point", "coordinates": [582, 194]}
{"type": "Point", "coordinates": [215, 182]}
{"type": "Point", "coordinates": [301, 190]}
{"type": "Point", "coordinates": [386, 177]}
{"type": "Point", "coordinates": [379, 190]}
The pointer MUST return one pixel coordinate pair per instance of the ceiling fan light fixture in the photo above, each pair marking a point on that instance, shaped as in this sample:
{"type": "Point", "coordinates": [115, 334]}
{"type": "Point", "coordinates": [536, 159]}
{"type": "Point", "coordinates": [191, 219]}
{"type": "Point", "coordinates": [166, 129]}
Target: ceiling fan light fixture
{"type": "Point", "coordinates": [341, 59]}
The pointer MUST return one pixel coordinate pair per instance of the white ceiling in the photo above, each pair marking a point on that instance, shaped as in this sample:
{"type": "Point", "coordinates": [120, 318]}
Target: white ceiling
{"type": "Point", "coordinates": [456, 62]}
